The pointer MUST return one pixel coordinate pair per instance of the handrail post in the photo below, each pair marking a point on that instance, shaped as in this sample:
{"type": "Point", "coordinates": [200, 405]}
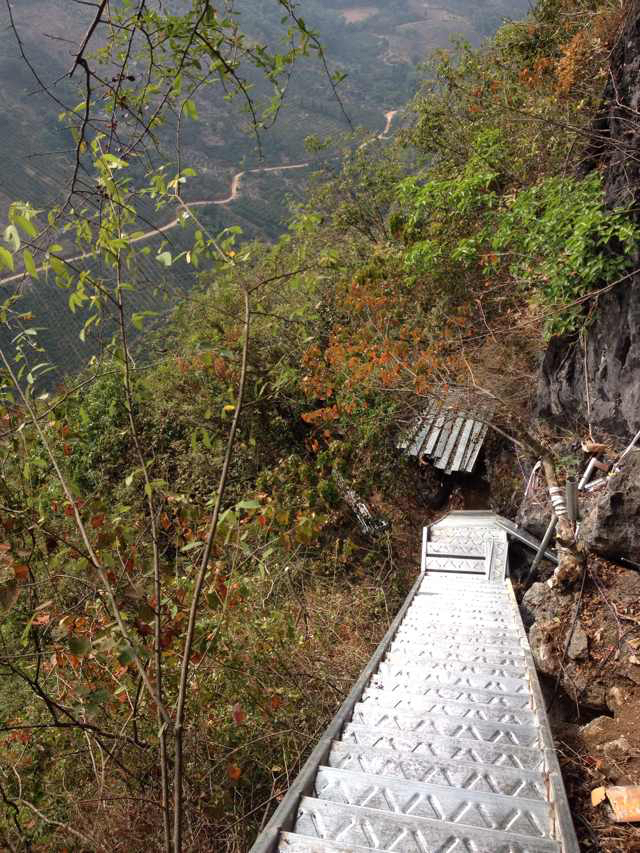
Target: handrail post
{"type": "Point", "coordinates": [543, 547]}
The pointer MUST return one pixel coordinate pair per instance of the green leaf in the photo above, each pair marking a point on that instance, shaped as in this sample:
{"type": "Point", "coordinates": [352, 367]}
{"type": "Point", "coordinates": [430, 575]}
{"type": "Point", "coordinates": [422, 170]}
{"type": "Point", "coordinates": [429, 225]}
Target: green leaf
{"type": "Point", "coordinates": [27, 226]}
{"type": "Point", "coordinates": [190, 110]}
{"type": "Point", "coordinates": [12, 236]}
{"type": "Point", "coordinates": [164, 258]}
{"type": "Point", "coordinates": [29, 264]}
{"type": "Point", "coordinates": [248, 505]}
{"type": "Point", "coordinates": [138, 318]}
{"type": "Point", "coordinates": [79, 645]}
{"type": "Point", "coordinates": [98, 697]}
{"type": "Point", "coordinates": [127, 655]}
{"type": "Point", "coordinates": [114, 162]}
{"type": "Point", "coordinates": [6, 258]}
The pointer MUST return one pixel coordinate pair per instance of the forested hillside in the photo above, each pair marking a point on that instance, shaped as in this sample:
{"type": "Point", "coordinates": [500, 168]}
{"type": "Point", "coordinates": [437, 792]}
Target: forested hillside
{"type": "Point", "coordinates": [186, 597]}
{"type": "Point", "coordinates": [377, 47]}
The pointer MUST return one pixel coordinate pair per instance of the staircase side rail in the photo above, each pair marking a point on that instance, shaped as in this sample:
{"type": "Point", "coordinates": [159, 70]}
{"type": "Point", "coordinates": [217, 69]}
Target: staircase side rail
{"type": "Point", "coordinates": [525, 537]}
{"type": "Point", "coordinates": [564, 831]}
{"type": "Point", "coordinates": [284, 817]}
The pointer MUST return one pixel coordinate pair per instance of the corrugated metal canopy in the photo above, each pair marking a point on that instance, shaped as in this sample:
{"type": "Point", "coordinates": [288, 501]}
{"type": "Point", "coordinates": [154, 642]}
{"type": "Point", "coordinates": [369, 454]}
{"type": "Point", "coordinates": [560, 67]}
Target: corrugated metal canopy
{"type": "Point", "coordinates": [448, 434]}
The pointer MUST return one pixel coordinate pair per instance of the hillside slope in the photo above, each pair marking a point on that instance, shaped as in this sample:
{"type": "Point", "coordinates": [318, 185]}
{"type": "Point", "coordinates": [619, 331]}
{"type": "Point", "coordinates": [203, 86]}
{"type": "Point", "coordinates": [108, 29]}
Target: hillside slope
{"type": "Point", "coordinates": [177, 543]}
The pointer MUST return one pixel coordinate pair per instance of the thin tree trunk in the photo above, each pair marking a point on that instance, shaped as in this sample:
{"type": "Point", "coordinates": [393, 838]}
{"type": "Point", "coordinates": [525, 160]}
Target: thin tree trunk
{"type": "Point", "coordinates": [195, 600]}
{"type": "Point", "coordinates": [162, 728]}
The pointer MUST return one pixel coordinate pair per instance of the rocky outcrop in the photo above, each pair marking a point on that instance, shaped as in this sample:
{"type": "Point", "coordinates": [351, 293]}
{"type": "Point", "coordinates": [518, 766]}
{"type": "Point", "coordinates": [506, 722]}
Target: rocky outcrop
{"type": "Point", "coordinates": [612, 524]}
{"type": "Point", "coordinates": [614, 742]}
{"type": "Point", "coordinates": [579, 640]}
{"type": "Point", "coordinates": [610, 353]}
{"type": "Point", "coordinates": [551, 615]}
{"type": "Point", "coordinates": [535, 512]}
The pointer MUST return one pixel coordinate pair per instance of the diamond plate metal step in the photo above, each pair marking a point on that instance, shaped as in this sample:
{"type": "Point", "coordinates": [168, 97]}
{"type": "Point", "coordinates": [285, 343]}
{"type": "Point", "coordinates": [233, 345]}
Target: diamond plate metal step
{"type": "Point", "coordinates": [413, 703]}
{"type": "Point", "coordinates": [291, 842]}
{"type": "Point", "coordinates": [407, 834]}
{"type": "Point", "coordinates": [478, 777]}
{"type": "Point", "coordinates": [432, 616]}
{"type": "Point", "coordinates": [432, 611]}
{"type": "Point", "coordinates": [434, 548]}
{"type": "Point", "coordinates": [429, 725]}
{"type": "Point", "coordinates": [462, 590]}
{"type": "Point", "coordinates": [443, 746]}
{"type": "Point", "coordinates": [399, 659]}
{"type": "Point", "coordinates": [389, 675]}
{"type": "Point", "coordinates": [413, 720]}
{"type": "Point", "coordinates": [440, 563]}
{"type": "Point", "coordinates": [447, 634]}
{"type": "Point", "coordinates": [435, 690]}
{"type": "Point", "coordinates": [421, 652]}
{"type": "Point", "coordinates": [420, 799]}
{"type": "Point", "coordinates": [467, 751]}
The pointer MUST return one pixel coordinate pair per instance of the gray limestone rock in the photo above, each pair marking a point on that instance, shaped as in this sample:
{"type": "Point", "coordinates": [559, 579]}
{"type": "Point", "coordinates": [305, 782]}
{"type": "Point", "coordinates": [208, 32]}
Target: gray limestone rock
{"type": "Point", "coordinates": [579, 645]}
{"type": "Point", "coordinates": [611, 351]}
{"type": "Point", "coordinates": [612, 525]}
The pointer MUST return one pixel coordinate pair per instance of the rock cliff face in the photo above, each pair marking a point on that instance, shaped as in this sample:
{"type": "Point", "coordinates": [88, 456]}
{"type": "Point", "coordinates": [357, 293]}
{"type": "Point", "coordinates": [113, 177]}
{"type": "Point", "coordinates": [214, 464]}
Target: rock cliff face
{"type": "Point", "coordinates": [612, 525]}
{"type": "Point", "coordinates": [610, 352]}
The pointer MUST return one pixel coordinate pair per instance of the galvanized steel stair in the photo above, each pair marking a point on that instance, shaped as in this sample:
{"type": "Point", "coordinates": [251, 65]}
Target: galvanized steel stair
{"type": "Point", "coordinates": [444, 744]}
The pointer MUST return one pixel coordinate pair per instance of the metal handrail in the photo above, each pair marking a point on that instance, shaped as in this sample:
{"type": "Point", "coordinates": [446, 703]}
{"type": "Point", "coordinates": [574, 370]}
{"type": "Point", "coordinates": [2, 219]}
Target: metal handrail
{"type": "Point", "coordinates": [284, 816]}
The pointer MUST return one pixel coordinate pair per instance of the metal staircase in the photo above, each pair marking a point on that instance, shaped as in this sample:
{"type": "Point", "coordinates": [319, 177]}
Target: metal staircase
{"type": "Point", "coordinates": [443, 745]}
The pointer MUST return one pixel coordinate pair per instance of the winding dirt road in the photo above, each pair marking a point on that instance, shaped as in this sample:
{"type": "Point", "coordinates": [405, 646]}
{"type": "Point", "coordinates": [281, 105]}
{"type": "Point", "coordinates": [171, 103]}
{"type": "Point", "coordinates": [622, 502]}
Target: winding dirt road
{"type": "Point", "coordinates": [234, 190]}
{"type": "Point", "coordinates": [389, 117]}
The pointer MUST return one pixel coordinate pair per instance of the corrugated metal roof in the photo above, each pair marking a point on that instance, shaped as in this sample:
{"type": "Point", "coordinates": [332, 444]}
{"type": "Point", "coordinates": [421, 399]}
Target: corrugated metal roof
{"type": "Point", "coordinates": [447, 434]}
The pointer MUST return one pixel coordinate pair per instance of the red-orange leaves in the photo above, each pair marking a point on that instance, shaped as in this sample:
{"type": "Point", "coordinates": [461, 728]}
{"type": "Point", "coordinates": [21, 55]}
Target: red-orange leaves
{"type": "Point", "coordinates": [234, 772]}
{"type": "Point", "coordinates": [329, 413]}
{"type": "Point", "coordinates": [239, 714]}
{"type": "Point", "coordinates": [21, 571]}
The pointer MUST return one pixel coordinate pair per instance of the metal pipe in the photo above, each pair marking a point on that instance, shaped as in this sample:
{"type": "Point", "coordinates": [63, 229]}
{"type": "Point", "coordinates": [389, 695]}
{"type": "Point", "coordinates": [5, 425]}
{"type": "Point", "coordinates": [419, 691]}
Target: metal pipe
{"type": "Point", "coordinates": [543, 547]}
{"type": "Point", "coordinates": [636, 438]}
{"type": "Point", "coordinates": [423, 558]}
{"type": "Point", "coordinates": [571, 494]}
{"type": "Point", "coordinates": [594, 484]}
{"type": "Point", "coordinates": [588, 471]}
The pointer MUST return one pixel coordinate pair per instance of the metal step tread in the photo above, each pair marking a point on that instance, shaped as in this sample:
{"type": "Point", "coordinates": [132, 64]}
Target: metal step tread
{"type": "Point", "coordinates": [446, 549]}
{"type": "Point", "coordinates": [406, 833]}
{"type": "Point", "coordinates": [388, 677]}
{"type": "Point", "coordinates": [461, 654]}
{"type": "Point", "coordinates": [442, 690]}
{"type": "Point", "coordinates": [435, 586]}
{"type": "Point", "coordinates": [419, 799]}
{"type": "Point", "coordinates": [433, 633]}
{"type": "Point", "coordinates": [414, 703]}
{"type": "Point", "coordinates": [292, 842]}
{"type": "Point", "coordinates": [443, 747]}
{"type": "Point", "coordinates": [382, 719]}
{"type": "Point", "coordinates": [507, 781]}
{"type": "Point", "coordinates": [408, 720]}
{"type": "Point", "coordinates": [505, 621]}
{"type": "Point", "coordinates": [502, 613]}
{"type": "Point", "coordinates": [439, 614]}
{"type": "Point", "coordinates": [399, 657]}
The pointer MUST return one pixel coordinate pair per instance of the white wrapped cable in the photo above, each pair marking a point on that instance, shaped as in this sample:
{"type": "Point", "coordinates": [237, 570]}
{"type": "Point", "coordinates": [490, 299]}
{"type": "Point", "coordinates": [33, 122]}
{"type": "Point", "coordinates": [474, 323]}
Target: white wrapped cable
{"type": "Point", "coordinates": [558, 500]}
{"type": "Point", "coordinates": [532, 476]}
